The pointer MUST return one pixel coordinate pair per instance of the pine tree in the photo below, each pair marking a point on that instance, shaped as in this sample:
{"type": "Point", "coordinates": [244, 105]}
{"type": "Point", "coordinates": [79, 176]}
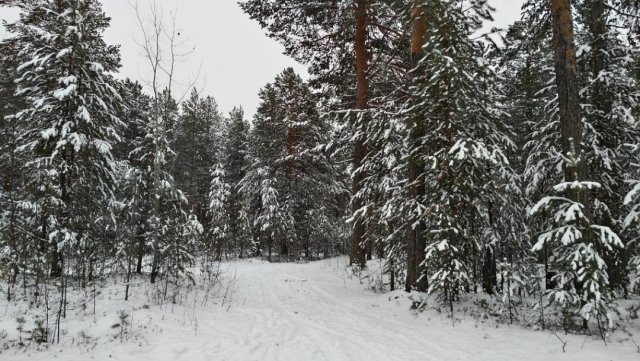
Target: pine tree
{"type": "Point", "coordinates": [576, 240]}
{"type": "Point", "coordinates": [416, 272]}
{"type": "Point", "coordinates": [356, 33]}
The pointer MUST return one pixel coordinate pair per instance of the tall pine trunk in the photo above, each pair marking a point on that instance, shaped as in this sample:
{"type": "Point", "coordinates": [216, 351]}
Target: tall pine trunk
{"type": "Point", "coordinates": [360, 149]}
{"type": "Point", "coordinates": [489, 270]}
{"type": "Point", "coordinates": [140, 248]}
{"type": "Point", "coordinates": [416, 269]}
{"type": "Point", "coordinates": [566, 80]}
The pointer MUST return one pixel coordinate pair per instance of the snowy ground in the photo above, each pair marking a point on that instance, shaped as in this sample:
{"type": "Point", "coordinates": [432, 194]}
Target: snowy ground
{"type": "Point", "coordinates": [312, 311]}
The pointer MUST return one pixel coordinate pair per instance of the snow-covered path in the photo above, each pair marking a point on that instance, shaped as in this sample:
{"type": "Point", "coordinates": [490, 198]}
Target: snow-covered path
{"type": "Point", "coordinates": [315, 312]}
{"type": "Point", "coordinates": [308, 313]}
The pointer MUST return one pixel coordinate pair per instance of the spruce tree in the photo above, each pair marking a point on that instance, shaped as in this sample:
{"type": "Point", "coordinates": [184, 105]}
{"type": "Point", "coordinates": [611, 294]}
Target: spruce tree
{"type": "Point", "coordinates": [609, 97]}
{"type": "Point", "coordinates": [134, 189]}
{"type": "Point", "coordinates": [13, 217]}
{"type": "Point", "coordinates": [219, 218]}
{"type": "Point", "coordinates": [235, 153]}
{"type": "Point", "coordinates": [465, 144]}
{"type": "Point", "coordinates": [157, 198]}
{"type": "Point", "coordinates": [196, 150]}
{"type": "Point", "coordinates": [69, 124]}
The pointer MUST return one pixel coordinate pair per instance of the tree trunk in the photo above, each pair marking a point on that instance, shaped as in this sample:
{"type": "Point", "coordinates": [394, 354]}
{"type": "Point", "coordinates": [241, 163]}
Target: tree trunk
{"type": "Point", "coordinates": [566, 80]}
{"type": "Point", "coordinates": [140, 256]}
{"type": "Point", "coordinates": [489, 271]}
{"type": "Point", "coordinates": [416, 268]}
{"type": "Point", "coordinates": [56, 262]}
{"type": "Point", "coordinates": [360, 149]}
{"type": "Point", "coordinates": [126, 290]}
{"type": "Point", "coordinates": [489, 264]}
{"type": "Point", "coordinates": [598, 30]}
{"type": "Point", "coordinates": [154, 268]}
{"type": "Point", "coordinates": [291, 139]}
{"type": "Point", "coordinates": [219, 250]}
{"type": "Point", "coordinates": [392, 279]}
{"type": "Point", "coordinates": [139, 247]}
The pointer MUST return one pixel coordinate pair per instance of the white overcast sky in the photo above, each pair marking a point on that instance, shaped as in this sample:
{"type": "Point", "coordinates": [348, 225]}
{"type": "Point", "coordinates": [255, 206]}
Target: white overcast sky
{"type": "Point", "coordinates": [234, 56]}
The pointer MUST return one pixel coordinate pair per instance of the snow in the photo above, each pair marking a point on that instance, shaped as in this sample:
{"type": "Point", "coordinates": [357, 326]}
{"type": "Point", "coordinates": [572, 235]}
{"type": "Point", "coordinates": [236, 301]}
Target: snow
{"type": "Point", "coordinates": [62, 94]}
{"type": "Point", "coordinates": [315, 311]}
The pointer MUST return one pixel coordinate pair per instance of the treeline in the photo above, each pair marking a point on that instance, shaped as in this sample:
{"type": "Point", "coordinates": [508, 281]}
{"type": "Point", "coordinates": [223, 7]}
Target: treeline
{"type": "Point", "coordinates": [101, 175]}
{"type": "Point", "coordinates": [508, 168]}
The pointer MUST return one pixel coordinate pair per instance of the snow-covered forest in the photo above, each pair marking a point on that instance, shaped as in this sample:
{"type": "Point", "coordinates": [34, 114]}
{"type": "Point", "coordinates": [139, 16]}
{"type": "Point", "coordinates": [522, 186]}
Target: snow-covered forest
{"type": "Point", "coordinates": [429, 175]}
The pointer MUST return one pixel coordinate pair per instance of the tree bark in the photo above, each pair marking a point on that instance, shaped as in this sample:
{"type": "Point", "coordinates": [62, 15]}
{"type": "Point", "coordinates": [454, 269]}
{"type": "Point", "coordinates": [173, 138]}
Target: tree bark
{"type": "Point", "coordinates": [489, 271]}
{"type": "Point", "coordinates": [154, 268]}
{"type": "Point", "coordinates": [358, 246]}
{"type": "Point", "coordinates": [566, 80]}
{"type": "Point", "coordinates": [140, 249]}
{"type": "Point", "coordinates": [416, 268]}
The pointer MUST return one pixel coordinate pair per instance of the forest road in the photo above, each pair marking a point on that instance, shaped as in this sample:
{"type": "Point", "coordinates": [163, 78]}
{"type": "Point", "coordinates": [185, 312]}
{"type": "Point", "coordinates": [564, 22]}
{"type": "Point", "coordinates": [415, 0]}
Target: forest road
{"type": "Point", "coordinates": [316, 312]}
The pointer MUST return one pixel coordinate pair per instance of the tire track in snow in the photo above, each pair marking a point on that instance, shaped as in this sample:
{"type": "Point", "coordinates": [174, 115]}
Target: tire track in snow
{"type": "Point", "coordinates": [352, 348]}
{"type": "Point", "coordinates": [327, 353]}
{"type": "Point", "coordinates": [364, 329]}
